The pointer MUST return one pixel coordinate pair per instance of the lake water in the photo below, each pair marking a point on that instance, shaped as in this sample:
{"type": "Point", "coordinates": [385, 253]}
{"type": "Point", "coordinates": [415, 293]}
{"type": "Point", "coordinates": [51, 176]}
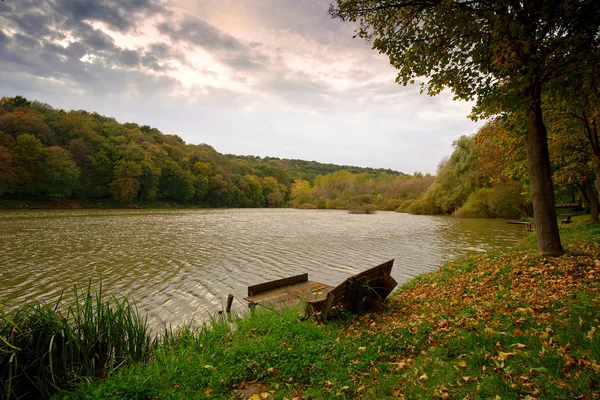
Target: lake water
{"type": "Point", "coordinates": [181, 264]}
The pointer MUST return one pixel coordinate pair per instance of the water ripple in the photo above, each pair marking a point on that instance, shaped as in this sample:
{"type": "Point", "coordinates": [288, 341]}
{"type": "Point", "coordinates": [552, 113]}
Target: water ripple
{"type": "Point", "coordinates": [181, 264]}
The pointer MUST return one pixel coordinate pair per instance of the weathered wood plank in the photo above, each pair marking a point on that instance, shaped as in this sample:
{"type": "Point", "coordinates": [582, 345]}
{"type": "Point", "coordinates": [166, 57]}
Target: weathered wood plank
{"type": "Point", "coordinates": [263, 287]}
{"type": "Point", "coordinates": [321, 297]}
{"type": "Point", "coordinates": [293, 294]}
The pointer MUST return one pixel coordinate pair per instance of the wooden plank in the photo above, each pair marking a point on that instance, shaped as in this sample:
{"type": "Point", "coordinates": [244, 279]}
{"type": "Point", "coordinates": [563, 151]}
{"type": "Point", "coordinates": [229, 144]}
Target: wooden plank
{"type": "Point", "coordinates": [385, 286]}
{"type": "Point", "coordinates": [376, 272]}
{"type": "Point", "coordinates": [293, 294]}
{"type": "Point", "coordinates": [328, 305]}
{"type": "Point", "coordinates": [321, 297]}
{"type": "Point", "coordinates": [263, 287]}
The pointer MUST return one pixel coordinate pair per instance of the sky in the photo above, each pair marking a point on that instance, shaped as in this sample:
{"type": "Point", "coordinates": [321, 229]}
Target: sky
{"type": "Point", "coordinates": [276, 78]}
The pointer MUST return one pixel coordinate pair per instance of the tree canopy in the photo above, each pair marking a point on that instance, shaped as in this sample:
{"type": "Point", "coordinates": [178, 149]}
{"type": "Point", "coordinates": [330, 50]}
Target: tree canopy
{"type": "Point", "coordinates": [501, 53]}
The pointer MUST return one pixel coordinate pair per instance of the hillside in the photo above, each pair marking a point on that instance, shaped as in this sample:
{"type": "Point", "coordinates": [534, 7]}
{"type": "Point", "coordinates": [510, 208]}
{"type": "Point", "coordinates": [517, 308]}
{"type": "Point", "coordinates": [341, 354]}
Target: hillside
{"type": "Point", "coordinates": [53, 154]}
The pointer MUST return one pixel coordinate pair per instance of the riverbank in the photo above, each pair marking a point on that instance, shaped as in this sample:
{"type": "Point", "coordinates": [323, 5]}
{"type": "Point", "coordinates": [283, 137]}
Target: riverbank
{"type": "Point", "coordinates": [510, 324]}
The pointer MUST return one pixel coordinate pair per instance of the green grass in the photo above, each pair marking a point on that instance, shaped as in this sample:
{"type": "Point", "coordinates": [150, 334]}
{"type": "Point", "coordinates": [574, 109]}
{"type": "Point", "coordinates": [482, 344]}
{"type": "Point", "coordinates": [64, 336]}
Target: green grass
{"type": "Point", "coordinates": [47, 348]}
{"type": "Point", "coordinates": [511, 324]}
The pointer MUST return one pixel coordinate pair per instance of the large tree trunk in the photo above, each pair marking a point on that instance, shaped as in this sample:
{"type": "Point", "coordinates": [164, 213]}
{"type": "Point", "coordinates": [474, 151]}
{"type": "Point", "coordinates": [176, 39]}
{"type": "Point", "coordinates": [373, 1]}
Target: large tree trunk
{"type": "Point", "coordinates": [590, 198]}
{"type": "Point", "coordinates": [597, 172]}
{"type": "Point", "coordinates": [538, 165]}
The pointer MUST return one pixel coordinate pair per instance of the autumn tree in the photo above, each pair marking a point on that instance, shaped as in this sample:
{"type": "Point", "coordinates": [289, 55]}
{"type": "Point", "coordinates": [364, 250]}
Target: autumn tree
{"type": "Point", "coordinates": [502, 53]}
{"type": "Point", "coordinates": [300, 191]}
{"type": "Point", "coordinates": [126, 184]}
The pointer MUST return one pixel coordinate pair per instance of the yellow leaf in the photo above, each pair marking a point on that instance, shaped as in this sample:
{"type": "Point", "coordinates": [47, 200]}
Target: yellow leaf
{"type": "Point", "coordinates": [527, 310]}
{"type": "Point", "coordinates": [503, 356]}
{"type": "Point", "coordinates": [462, 363]}
{"type": "Point", "coordinates": [423, 377]}
{"type": "Point", "coordinates": [254, 397]}
{"type": "Point", "coordinates": [489, 331]}
{"type": "Point", "coordinates": [207, 366]}
{"type": "Point", "coordinates": [208, 391]}
{"type": "Point", "coordinates": [362, 348]}
{"type": "Point", "coordinates": [264, 395]}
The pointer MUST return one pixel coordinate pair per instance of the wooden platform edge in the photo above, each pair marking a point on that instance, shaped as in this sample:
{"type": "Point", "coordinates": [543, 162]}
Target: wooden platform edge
{"type": "Point", "coordinates": [271, 285]}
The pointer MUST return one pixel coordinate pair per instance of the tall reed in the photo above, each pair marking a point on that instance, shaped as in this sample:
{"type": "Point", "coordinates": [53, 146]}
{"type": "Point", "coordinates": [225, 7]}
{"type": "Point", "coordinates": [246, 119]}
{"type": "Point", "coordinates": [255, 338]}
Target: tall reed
{"type": "Point", "coordinates": [45, 348]}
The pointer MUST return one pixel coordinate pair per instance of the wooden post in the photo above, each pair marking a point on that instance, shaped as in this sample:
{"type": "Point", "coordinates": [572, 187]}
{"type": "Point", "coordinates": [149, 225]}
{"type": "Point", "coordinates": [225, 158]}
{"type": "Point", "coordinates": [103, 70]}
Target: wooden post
{"type": "Point", "coordinates": [328, 305]}
{"type": "Point", "coordinates": [229, 301]}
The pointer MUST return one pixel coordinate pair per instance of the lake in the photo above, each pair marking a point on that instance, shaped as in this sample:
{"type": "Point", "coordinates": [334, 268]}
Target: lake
{"type": "Point", "coordinates": [181, 264]}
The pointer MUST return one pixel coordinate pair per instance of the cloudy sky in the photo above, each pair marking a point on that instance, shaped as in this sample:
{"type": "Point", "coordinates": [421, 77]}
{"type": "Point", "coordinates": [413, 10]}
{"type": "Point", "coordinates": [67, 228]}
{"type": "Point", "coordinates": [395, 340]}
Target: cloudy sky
{"type": "Point", "coordinates": [262, 77]}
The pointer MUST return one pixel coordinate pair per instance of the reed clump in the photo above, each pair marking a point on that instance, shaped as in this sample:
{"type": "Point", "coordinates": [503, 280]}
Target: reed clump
{"type": "Point", "coordinates": [47, 348]}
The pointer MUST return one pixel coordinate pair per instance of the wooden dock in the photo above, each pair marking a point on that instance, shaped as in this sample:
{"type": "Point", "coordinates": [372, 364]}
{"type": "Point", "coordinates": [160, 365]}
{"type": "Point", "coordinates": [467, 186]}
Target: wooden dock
{"type": "Point", "coordinates": [530, 226]}
{"type": "Point", "coordinates": [366, 289]}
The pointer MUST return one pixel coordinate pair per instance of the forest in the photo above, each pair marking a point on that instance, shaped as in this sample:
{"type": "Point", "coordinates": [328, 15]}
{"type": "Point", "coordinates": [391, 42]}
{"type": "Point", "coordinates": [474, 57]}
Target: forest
{"type": "Point", "coordinates": [49, 154]}
{"type": "Point", "coordinates": [55, 155]}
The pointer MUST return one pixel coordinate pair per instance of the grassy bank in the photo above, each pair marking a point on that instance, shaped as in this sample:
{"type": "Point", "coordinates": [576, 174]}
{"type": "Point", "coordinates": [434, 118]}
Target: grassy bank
{"type": "Point", "coordinates": [506, 325]}
{"type": "Point", "coordinates": [509, 324]}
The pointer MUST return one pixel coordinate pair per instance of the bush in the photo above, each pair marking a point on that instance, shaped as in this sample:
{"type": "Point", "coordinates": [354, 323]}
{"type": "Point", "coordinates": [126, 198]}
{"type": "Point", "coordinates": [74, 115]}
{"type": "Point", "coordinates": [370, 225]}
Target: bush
{"type": "Point", "coordinates": [307, 206]}
{"type": "Point", "coordinates": [424, 206]}
{"type": "Point", "coordinates": [404, 206]}
{"type": "Point", "coordinates": [501, 201]}
{"type": "Point", "coordinates": [363, 209]}
{"type": "Point", "coordinates": [389, 204]}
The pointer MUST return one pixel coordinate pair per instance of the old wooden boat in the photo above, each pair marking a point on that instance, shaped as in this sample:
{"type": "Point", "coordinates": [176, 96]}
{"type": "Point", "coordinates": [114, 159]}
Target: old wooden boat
{"type": "Point", "coordinates": [366, 289]}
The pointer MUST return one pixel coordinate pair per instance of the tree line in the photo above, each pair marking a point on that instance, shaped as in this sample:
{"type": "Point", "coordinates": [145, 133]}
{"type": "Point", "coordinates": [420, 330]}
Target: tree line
{"type": "Point", "coordinates": [52, 154]}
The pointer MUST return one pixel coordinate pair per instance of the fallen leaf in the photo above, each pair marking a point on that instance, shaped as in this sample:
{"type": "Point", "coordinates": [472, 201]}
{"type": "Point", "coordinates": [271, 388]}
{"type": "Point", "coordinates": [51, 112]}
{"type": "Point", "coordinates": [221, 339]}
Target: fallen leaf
{"type": "Point", "coordinates": [264, 395]}
{"type": "Point", "coordinates": [208, 391]}
{"type": "Point", "coordinates": [462, 363]}
{"type": "Point", "coordinates": [207, 366]}
{"type": "Point", "coordinates": [423, 377]}
{"type": "Point", "coordinates": [503, 356]}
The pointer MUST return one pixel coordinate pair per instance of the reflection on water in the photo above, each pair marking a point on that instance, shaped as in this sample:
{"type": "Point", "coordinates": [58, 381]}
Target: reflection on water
{"type": "Point", "coordinates": [182, 264]}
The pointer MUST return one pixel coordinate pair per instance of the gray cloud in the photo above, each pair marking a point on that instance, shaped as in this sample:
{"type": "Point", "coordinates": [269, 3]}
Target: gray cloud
{"type": "Point", "coordinates": [38, 27]}
{"type": "Point", "coordinates": [306, 91]}
{"type": "Point", "coordinates": [224, 47]}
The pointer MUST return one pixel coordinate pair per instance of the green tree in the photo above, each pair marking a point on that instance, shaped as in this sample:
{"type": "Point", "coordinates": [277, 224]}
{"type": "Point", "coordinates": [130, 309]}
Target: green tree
{"type": "Point", "coordinates": [126, 184]}
{"type": "Point", "coordinates": [100, 176]}
{"type": "Point", "coordinates": [176, 183]}
{"type": "Point", "coordinates": [202, 172]}
{"type": "Point", "coordinates": [29, 161]}
{"type": "Point", "coordinates": [457, 177]}
{"type": "Point", "coordinates": [149, 180]}
{"type": "Point", "coordinates": [61, 175]}
{"type": "Point", "coordinates": [252, 192]}
{"type": "Point", "coordinates": [502, 53]}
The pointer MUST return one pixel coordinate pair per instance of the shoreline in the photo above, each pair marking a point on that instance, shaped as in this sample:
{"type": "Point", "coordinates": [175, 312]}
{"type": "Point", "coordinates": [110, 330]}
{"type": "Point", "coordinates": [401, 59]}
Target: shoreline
{"type": "Point", "coordinates": [506, 323]}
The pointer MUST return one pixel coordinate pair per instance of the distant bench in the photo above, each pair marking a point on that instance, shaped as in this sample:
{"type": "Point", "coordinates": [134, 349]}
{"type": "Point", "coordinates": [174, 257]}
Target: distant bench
{"type": "Point", "coordinates": [366, 289]}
